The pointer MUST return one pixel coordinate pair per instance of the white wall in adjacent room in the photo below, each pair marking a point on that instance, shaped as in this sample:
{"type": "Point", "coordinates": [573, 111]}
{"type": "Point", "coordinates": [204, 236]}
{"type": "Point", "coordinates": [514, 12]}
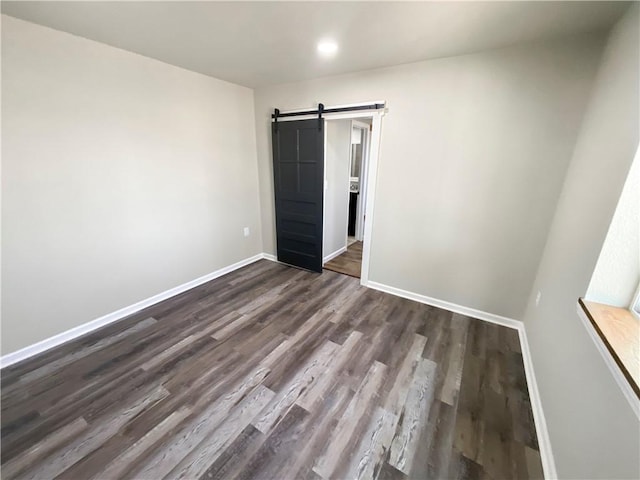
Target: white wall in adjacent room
{"type": "Point", "coordinates": [336, 193]}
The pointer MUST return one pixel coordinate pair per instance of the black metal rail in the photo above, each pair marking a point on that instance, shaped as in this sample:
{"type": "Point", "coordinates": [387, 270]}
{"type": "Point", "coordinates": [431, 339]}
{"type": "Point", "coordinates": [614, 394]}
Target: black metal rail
{"type": "Point", "coordinates": [321, 110]}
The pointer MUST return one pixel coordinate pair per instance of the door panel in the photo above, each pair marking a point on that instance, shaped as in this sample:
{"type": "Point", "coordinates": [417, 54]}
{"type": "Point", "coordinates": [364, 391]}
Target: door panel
{"type": "Point", "coordinates": [298, 172]}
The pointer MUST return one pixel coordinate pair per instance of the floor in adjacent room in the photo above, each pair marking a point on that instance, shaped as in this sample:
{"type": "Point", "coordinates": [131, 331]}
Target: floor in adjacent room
{"type": "Point", "coordinates": [349, 263]}
{"type": "Point", "coordinates": [274, 372]}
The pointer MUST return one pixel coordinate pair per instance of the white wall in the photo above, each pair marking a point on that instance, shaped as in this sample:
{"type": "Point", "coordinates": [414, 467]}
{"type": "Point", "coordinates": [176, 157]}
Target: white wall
{"type": "Point", "coordinates": [336, 194]}
{"type": "Point", "coordinates": [122, 177]}
{"type": "Point", "coordinates": [473, 154]}
{"type": "Point", "coordinates": [615, 279]}
{"type": "Point", "coordinates": [594, 433]}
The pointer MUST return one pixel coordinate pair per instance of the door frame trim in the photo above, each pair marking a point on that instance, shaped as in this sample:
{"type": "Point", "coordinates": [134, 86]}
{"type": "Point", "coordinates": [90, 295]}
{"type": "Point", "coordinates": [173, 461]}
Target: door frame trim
{"type": "Point", "coordinates": [372, 174]}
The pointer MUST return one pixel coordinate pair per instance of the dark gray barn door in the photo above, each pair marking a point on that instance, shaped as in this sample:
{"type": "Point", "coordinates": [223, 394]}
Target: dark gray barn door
{"type": "Point", "coordinates": [298, 170]}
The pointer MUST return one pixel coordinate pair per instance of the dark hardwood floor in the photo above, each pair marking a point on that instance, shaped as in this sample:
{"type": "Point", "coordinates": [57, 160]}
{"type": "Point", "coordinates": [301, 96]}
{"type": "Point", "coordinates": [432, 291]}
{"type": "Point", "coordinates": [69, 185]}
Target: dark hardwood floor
{"type": "Point", "coordinates": [272, 372]}
{"type": "Point", "coordinates": [349, 263]}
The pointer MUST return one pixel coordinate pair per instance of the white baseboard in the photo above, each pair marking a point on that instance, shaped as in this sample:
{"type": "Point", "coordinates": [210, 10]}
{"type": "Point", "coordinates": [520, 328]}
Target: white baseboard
{"type": "Point", "coordinates": [544, 443]}
{"type": "Point", "coordinates": [270, 257]}
{"type": "Point", "coordinates": [333, 255]}
{"type": "Point", "coordinates": [452, 307]}
{"type": "Point", "coordinates": [85, 328]}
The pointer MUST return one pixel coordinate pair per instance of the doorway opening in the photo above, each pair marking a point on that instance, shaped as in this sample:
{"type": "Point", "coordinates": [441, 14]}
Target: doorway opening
{"type": "Point", "coordinates": [347, 153]}
{"type": "Point", "coordinates": [301, 184]}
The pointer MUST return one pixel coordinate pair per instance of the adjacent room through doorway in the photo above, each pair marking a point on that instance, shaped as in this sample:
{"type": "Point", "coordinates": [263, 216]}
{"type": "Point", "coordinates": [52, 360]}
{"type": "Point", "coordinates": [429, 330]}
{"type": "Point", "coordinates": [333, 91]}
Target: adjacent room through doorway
{"type": "Point", "coordinates": [349, 262]}
{"type": "Point", "coordinates": [347, 145]}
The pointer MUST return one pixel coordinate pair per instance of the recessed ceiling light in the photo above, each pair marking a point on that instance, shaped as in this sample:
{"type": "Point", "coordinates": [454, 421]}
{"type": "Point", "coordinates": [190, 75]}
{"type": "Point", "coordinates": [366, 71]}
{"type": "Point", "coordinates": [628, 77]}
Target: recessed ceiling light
{"type": "Point", "coordinates": [327, 48]}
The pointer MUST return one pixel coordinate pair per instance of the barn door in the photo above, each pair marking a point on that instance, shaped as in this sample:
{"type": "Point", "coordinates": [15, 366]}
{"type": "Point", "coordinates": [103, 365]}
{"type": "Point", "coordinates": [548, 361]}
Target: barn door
{"type": "Point", "coordinates": [298, 170]}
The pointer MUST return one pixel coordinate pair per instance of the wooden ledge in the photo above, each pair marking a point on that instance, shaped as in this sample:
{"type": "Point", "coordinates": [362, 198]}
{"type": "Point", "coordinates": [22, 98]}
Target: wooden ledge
{"type": "Point", "coordinates": [619, 329]}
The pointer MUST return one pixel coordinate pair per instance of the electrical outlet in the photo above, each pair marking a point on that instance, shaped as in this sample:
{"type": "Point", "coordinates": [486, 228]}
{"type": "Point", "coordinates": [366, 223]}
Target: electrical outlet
{"type": "Point", "coordinates": [246, 231]}
{"type": "Point", "coordinates": [538, 296]}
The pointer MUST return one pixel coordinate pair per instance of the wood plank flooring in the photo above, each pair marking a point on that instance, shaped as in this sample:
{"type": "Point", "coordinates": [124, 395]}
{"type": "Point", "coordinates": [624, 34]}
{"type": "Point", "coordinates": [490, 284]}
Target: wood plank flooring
{"type": "Point", "coordinates": [349, 263]}
{"type": "Point", "coordinates": [275, 373]}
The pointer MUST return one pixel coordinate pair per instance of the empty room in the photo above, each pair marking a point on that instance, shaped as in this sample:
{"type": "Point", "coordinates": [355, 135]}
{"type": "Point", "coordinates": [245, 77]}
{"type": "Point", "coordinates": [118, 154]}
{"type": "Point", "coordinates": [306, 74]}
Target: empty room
{"type": "Point", "coordinates": [320, 240]}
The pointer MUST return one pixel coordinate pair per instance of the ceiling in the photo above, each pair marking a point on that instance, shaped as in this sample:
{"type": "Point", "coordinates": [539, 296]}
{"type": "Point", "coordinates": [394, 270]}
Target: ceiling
{"type": "Point", "coordinates": [262, 43]}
